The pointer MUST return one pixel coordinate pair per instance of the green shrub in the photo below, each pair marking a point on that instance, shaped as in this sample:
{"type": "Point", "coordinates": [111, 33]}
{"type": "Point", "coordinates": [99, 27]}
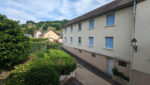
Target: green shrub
{"type": "Point", "coordinates": [42, 75]}
{"type": "Point", "coordinates": [0, 71]}
{"type": "Point", "coordinates": [51, 45]}
{"type": "Point", "coordinates": [115, 71]}
{"type": "Point", "coordinates": [60, 61]}
{"type": "Point", "coordinates": [17, 76]}
{"type": "Point", "coordinates": [20, 71]}
{"type": "Point", "coordinates": [13, 82]}
{"type": "Point", "coordinates": [119, 74]}
{"type": "Point", "coordinates": [38, 40]}
{"type": "Point", "coordinates": [38, 46]}
{"type": "Point", "coordinates": [32, 73]}
{"type": "Point", "coordinates": [44, 45]}
{"type": "Point", "coordinates": [14, 45]}
{"type": "Point", "coordinates": [40, 54]}
{"type": "Point", "coordinates": [45, 70]}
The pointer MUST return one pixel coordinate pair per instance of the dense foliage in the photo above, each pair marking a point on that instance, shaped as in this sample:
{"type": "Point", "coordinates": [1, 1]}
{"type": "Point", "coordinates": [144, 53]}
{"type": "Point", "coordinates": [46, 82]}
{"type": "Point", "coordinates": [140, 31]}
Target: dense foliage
{"type": "Point", "coordinates": [14, 45]}
{"type": "Point", "coordinates": [47, 69]}
{"type": "Point", "coordinates": [43, 45]}
{"type": "Point", "coordinates": [38, 40]}
{"type": "Point", "coordinates": [59, 60]}
{"type": "Point", "coordinates": [41, 75]}
{"type": "Point", "coordinates": [31, 26]}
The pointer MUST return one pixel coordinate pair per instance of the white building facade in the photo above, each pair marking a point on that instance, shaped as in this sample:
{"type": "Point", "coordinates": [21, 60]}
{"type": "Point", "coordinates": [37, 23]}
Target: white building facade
{"type": "Point", "coordinates": [103, 37]}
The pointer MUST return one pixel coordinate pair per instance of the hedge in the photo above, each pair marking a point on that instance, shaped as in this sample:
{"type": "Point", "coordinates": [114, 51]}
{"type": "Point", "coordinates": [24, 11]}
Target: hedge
{"type": "Point", "coordinates": [59, 60]}
{"type": "Point", "coordinates": [41, 75]}
{"type": "Point", "coordinates": [43, 45]}
{"type": "Point", "coordinates": [38, 40]}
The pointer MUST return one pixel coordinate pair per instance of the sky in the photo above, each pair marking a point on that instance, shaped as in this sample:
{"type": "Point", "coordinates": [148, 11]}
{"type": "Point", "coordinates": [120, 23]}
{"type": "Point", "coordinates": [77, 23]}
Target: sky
{"type": "Point", "coordinates": [44, 10]}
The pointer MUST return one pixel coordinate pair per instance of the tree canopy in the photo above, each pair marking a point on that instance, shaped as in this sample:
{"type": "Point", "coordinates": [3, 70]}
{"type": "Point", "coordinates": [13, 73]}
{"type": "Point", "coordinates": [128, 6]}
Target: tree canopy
{"type": "Point", "coordinates": [31, 26]}
{"type": "Point", "coordinates": [14, 45]}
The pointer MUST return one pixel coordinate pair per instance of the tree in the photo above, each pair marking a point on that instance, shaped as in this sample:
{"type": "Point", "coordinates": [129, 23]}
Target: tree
{"type": "Point", "coordinates": [30, 22]}
{"type": "Point", "coordinates": [14, 45]}
{"type": "Point", "coordinates": [31, 31]}
{"type": "Point", "coordinates": [45, 27]}
{"type": "Point", "coordinates": [31, 26]}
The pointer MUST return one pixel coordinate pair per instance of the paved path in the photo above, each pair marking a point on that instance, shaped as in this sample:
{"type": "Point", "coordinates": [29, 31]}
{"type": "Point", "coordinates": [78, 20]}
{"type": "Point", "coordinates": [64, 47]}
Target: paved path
{"type": "Point", "coordinates": [88, 78]}
{"type": "Point", "coordinates": [94, 70]}
{"type": "Point", "coordinates": [73, 81]}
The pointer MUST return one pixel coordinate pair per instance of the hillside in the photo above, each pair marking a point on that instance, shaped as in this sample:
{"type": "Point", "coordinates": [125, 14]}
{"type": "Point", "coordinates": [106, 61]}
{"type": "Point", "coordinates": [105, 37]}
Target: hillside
{"type": "Point", "coordinates": [31, 26]}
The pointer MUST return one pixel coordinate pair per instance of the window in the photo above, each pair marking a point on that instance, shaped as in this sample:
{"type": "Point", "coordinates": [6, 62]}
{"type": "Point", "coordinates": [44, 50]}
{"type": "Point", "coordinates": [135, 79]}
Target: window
{"type": "Point", "coordinates": [71, 40]}
{"type": "Point", "coordinates": [110, 19]}
{"type": "Point", "coordinates": [109, 42]}
{"type": "Point", "coordinates": [90, 41]}
{"type": "Point", "coordinates": [71, 28]}
{"type": "Point", "coordinates": [79, 40]}
{"type": "Point", "coordinates": [65, 39]}
{"type": "Point", "coordinates": [92, 24]}
{"type": "Point", "coordinates": [65, 30]}
{"type": "Point", "coordinates": [121, 63]}
{"type": "Point", "coordinates": [79, 27]}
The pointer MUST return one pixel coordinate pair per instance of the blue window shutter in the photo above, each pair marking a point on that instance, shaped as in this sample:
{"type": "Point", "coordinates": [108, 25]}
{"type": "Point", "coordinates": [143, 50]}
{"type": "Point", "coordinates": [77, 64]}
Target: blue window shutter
{"type": "Point", "coordinates": [71, 40]}
{"type": "Point", "coordinates": [79, 40]}
{"type": "Point", "coordinates": [109, 42]}
{"type": "Point", "coordinates": [65, 39]}
{"type": "Point", "coordinates": [79, 26]}
{"type": "Point", "coordinates": [110, 19]}
{"type": "Point", "coordinates": [91, 24]}
{"type": "Point", "coordinates": [91, 41]}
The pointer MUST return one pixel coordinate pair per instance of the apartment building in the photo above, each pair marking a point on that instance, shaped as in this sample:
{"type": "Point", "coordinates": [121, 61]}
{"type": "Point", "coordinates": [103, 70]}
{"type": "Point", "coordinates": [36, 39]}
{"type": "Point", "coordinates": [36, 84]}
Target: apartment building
{"type": "Point", "coordinates": [103, 37]}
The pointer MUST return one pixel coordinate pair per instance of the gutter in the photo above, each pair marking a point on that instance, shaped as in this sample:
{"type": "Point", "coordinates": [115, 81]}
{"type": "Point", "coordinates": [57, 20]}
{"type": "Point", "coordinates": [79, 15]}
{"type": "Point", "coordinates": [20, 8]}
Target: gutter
{"type": "Point", "coordinates": [133, 36]}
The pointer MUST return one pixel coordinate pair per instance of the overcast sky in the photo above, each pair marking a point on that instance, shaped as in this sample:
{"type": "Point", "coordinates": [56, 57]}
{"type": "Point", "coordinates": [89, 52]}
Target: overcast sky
{"type": "Point", "coordinates": [43, 10]}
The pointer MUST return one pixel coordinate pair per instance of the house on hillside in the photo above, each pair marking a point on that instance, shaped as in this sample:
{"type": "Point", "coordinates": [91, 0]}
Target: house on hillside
{"type": "Point", "coordinates": [51, 35]}
{"type": "Point", "coordinates": [37, 34]}
{"type": "Point", "coordinates": [103, 37]}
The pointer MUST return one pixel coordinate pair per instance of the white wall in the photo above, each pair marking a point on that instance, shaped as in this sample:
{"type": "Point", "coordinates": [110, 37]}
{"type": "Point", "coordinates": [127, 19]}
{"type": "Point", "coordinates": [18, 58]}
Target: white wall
{"type": "Point", "coordinates": [37, 34]}
{"type": "Point", "coordinates": [142, 57]}
{"type": "Point", "coordinates": [121, 33]}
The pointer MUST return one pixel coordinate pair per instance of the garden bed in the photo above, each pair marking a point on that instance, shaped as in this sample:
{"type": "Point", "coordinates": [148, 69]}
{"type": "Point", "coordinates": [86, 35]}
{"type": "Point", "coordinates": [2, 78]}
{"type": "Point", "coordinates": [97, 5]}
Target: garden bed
{"type": "Point", "coordinates": [46, 68]}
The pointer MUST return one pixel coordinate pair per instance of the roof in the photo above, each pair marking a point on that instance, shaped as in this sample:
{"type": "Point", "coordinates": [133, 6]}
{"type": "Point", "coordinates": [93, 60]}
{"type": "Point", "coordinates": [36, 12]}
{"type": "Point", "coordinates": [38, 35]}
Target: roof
{"type": "Point", "coordinates": [37, 31]}
{"type": "Point", "coordinates": [28, 35]}
{"type": "Point", "coordinates": [47, 32]}
{"type": "Point", "coordinates": [112, 6]}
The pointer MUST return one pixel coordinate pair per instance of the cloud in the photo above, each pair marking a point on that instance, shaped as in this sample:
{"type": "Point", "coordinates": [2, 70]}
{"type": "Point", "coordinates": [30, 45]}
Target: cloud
{"type": "Point", "coordinates": [42, 10]}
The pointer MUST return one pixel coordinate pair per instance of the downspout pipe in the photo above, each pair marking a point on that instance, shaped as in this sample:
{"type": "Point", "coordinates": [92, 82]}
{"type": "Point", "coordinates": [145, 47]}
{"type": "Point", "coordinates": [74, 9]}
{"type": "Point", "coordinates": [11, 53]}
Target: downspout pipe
{"type": "Point", "coordinates": [133, 36]}
{"type": "Point", "coordinates": [134, 16]}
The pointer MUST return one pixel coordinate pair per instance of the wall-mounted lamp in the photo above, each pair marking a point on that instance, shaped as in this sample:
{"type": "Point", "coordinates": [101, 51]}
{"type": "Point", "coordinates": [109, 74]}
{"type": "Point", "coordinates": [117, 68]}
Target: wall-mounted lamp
{"type": "Point", "coordinates": [134, 44]}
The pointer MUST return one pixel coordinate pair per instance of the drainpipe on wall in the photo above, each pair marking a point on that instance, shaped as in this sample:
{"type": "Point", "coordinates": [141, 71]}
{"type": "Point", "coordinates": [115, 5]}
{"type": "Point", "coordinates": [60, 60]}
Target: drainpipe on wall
{"type": "Point", "coordinates": [133, 36]}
